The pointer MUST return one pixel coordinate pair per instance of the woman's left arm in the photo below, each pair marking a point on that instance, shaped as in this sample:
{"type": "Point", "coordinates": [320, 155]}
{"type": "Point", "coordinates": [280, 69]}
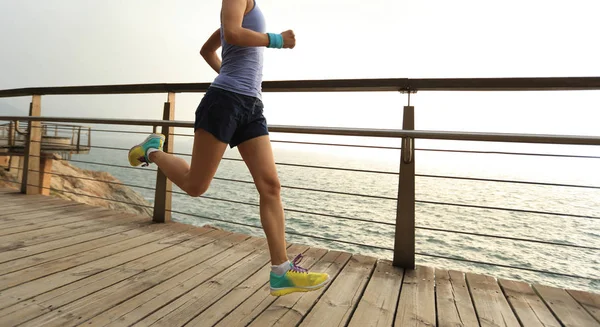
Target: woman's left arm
{"type": "Point", "coordinates": [209, 50]}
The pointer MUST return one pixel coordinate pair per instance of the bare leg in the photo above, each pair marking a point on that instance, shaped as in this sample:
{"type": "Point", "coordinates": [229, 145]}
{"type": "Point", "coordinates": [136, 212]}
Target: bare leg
{"type": "Point", "coordinates": [194, 179]}
{"type": "Point", "coordinates": [258, 155]}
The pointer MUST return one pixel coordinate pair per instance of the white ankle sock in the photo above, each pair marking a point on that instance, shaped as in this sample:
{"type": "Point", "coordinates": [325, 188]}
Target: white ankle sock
{"type": "Point", "coordinates": [281, 269]}
{"type": "Point", "coordinates": [150, 150]}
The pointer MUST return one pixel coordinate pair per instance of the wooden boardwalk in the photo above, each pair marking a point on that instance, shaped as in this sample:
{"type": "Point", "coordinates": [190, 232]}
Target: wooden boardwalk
{"type": "Point", "coordinates": [68, 264]}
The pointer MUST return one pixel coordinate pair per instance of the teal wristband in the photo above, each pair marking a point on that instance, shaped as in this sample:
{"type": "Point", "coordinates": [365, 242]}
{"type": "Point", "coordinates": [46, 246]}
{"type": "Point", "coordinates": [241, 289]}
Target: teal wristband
{"type": "Point", "coordinates": [275, 40]}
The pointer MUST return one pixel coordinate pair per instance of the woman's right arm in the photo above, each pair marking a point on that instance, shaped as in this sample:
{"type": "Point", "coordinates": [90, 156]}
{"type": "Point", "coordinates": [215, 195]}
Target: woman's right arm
{"type": "Point", "coordinates": [233, 14]}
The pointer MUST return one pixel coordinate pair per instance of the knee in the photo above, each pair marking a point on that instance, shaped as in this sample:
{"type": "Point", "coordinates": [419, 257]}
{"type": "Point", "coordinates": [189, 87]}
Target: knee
{"type": "Point", "coordinates": [196, 190]}
{"type": "Point", "coordinates": [269, 187]}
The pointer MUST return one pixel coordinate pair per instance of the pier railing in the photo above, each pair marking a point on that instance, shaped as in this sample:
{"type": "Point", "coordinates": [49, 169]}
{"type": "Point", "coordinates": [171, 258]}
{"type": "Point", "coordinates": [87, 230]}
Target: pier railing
{"type": "Point", "coordinates": [404, 225]}
{"type": "Point", "coordinates": [55, 138]}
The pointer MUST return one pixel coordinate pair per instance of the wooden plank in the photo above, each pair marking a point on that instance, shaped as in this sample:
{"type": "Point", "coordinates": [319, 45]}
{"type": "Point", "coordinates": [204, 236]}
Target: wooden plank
{"type": "Point", "coordinates": [126, 256]}
{"type": "Point", "coordinates": [332, 263]}
{"type": "Point", "coordinates": [125, 225]}
{"type": "Point", "coordinates": [88, 220]}
{"type": "Point", "coordinates": [60, 220]}
{"type": "Point", "coordinates": [12, 242]}
{"type": "Point", "coordinates": [30, 208]}
{"type": "Point", "coordinates": [157, 301]}
{"type": "Point", "coordinates": [59, 297]}
{"type": "Point", "coordinates": [530, 309]}
{"type": "Point", "coordinates": [340, 299]}
{"type": "Point", "coordinates": [9, 212]}
{"type": "Point", "coordinates": [114, 255]}
{"type": "Point", "coordinates": [116, 244]}
{"type": "Point", "coordinates": [416, 306]}
{"type": "Point", "coordinates": [377, 307]}
{"type": "Point", "coordinates": [257, 283]}
{"type": "Point", "coordinates": [148, 288]}
{"type": "Point", "coordinates": [37, 262]}
{"type": "Point", "coordinates": [40, 217]}
{"type": "Point", "coordinates": [18, 200]}
{"type": "Point", "coordinates": [32, 202]}
{"type": "Point", "coordinates": [565, 308]}
{"type": "Point", "coordinates": [60, 232]}
{"type": "Point", "coordinates": [18, 196]}
{"type": "Point", "coordinates": [590, 301]}
{"type": "Point", "coordinates": [89, 217]}
{"type": "Point", "coordinates": [44, 214]}
{"type": "Point", "coordinates": [185, 265]}
{"type": "Point", "coordinates": [271, 314]}
{"type": "Point", "coordinates": [490, 303]}
{"type": "Point", "coordinates": [188, 306]}
{"type": "Point", "coordinates": [454, 304]}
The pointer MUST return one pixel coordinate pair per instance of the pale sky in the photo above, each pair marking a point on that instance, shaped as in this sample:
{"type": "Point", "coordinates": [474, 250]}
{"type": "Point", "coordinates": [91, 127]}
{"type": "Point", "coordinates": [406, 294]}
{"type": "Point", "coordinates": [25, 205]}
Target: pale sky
{"type": "Point", "coordinates": [83, 42]}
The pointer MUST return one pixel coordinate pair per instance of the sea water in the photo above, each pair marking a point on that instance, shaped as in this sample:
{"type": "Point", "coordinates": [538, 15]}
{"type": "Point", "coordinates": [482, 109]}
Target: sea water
{"type": "Point", "coordinates": [318, 208]}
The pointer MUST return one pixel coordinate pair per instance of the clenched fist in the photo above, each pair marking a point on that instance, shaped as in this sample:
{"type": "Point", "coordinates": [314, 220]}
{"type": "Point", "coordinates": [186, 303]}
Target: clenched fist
{"type": "Point", "coordinates": [289, 39]}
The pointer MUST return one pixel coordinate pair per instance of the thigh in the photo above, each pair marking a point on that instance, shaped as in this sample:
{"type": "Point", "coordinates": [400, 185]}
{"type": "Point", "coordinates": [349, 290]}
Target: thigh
{"type": "Point", "coordinates": [258, 156]}
{"type": "Point", "coordinates": [206, 156]}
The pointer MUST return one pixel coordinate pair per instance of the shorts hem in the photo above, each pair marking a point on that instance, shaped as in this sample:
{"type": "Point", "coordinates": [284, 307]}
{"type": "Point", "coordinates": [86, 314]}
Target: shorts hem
{"type": "Point", "coordinates": [214, 134]}
{"type": "Point", "coordinates": [234, 144]}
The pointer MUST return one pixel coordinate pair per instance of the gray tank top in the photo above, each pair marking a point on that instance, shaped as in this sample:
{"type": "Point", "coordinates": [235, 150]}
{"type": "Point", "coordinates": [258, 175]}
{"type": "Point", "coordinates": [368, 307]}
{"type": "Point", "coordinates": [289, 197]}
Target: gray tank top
{"type": "Point", "coordinates": [241, 67]}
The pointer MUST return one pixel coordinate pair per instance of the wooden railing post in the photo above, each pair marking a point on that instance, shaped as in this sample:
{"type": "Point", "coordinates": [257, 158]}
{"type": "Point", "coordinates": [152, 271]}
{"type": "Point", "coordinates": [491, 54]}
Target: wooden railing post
{"type": "Point", "coordinates": [12, 131]}
{"type": "Point", "coordinates": [31, 177]}
{"type": "Point", "coordinates": [404, 244]}
{"type": "Point", "coordinates": [163, 195]}
{"type": "Point", "coordinates": [78, 138]}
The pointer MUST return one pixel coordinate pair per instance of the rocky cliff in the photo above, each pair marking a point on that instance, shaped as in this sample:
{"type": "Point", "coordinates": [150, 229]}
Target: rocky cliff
{"type": "Point", "coordinates": [87, 186]}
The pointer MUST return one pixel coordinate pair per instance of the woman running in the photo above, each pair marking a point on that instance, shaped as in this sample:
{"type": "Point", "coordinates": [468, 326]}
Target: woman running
{"type": "Point", "coordinates": [231, 113]}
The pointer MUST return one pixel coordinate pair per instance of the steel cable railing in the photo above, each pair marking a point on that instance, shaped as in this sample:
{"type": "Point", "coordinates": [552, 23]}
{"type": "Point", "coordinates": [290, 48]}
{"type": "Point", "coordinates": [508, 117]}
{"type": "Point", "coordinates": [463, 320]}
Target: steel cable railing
{"type": "Point", "coordinates": [571, 156]}
{"type": "Point", "coordinates": [506, 266]}
{"type": "Point", "coordinates": [508, 181]}
{"type": "Point", "coordinates": [337, 216]}
{"type": "Point", "coordinates": [377, 147]}
{"type": "Point", "coordinates": [293, 210]}
{"type": "Point", "coordinates": [287, 231]}
{"type": "Point", "coordinates": [507, 209]}
{"type": "Point", "coordinates": [393, 224]}
{"type": "Point", "coordinates": [390, 198]}
{"type": "Point", "coordinates": [104, 164]}
{"type": "Point", "coordinates": [117, 131]}
{"type": "Point", "coordinates": [508, 238]}
{"type": "Point", "coordinates": [45, 142]}
{"type": "Point", "coordinates": [308, 166]}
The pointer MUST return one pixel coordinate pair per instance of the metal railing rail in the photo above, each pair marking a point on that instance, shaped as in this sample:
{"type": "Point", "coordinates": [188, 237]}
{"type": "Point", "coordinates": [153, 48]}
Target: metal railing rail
{"type": "Point", "coordinates": [337, 85]}
{"type": "Point", "coordinates": [404, 244]}
{"type": "Point", "coordinates": [390, 133]}
{"type": "Point", "coordinates": [363, 132]}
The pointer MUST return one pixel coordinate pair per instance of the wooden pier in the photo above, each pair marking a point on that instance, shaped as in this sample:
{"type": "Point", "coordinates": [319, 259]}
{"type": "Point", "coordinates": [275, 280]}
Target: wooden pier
{"type": "Point", "coordinates": [67, 264]}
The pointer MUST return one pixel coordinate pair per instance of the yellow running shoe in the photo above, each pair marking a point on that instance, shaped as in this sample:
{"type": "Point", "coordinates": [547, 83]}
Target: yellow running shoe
{"type": "Point", "coordinates": [297, 279]}
{"type": "Point", "coordinates": [138, 154]}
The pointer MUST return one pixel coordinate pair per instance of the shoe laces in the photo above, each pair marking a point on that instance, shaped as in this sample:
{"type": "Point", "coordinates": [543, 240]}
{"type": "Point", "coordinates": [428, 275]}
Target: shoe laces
{"type": "Point", "coordinates": [142, 159]}
{"type": "Point", "coordinates": [295, 264]}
